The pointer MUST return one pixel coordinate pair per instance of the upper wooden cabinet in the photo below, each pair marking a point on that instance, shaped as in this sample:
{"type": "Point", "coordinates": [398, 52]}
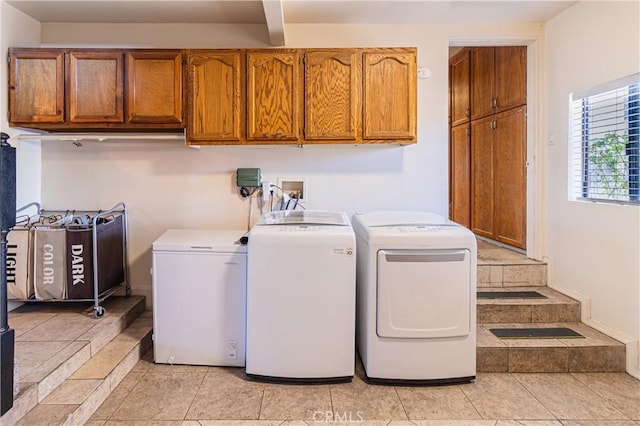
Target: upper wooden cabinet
{"type": "Point", "coordinates": [99, 89]}
{"type": "Point", "coordinates": [214, 87]}
{"type": "Point", "coordinates": [272, 95]}
{"type": "Point", "coordinates": [459, 81]}
{"type": "Point", "coordinates": [498, 79]}
{"type": "Point", "coordinates": [229, 96]}
{"type": "Point", "coordinates": [154, 87]}
{"type": "Point", "coordinates": [95, 87]}
{"type": "Point", "coordinates": [36, 87]}
{"type": "Point", "coordinates": [390, 85]}
{"type": "Point", "coordinates": [331, 94]}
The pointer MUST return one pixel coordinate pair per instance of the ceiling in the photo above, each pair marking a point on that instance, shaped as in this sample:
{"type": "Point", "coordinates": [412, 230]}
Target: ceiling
{"type": "Point", "coordinates": [276, 13]}
{"type": "Point", "coordinates": [294, 11]}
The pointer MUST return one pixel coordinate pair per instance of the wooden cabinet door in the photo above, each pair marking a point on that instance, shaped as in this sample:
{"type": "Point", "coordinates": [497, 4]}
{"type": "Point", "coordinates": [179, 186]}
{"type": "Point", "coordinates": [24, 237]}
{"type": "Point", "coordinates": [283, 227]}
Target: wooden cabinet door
{"type": "Point", "coordinates": [95, 89]}
{"type": "Point", "coordinates": [331, 94]}
{"type": "Point", "coordinates": [460, 95]}
{"type": "Point", "coordinates": [154, 87]}
{"type": "Point", "coordinates": [482, 82]}
{"type": "Point", "coordinates": [511, 77]}
{"type": "Point", "coordinates": [389, 104]}
{"type": "Point", "coordinates": [461, 174]}
{"type": "Point", "coordinates": [272, 95]}
{"type": "Point", "coordinates": [213, 97]}
{"type": "Point", "coordinates": [510, 177]}
{"type": "Point", "coordinates": [36, 86]}
{"type": "Point", "coordinates": [482, 177]}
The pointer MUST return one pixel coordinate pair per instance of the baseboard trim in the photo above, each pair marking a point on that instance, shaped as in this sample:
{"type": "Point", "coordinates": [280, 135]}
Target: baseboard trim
{"type": "Point", "coordinates": [632, 344]}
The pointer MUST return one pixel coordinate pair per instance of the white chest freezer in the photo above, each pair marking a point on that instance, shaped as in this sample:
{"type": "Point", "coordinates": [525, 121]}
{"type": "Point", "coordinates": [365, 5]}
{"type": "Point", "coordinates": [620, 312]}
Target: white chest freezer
{"type": "Point", "coordinates": [199, 297]}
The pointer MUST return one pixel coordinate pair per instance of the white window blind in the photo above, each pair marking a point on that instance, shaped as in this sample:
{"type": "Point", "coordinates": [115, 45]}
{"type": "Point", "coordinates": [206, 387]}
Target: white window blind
{"type": "Point", "coordinates": [605, 141]}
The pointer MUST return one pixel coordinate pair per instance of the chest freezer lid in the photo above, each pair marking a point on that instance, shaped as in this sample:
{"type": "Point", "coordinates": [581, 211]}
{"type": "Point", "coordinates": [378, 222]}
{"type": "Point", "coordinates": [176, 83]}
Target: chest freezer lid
{"type": "Point", "coordinates": [304, 217]}
{"type": "Point", "coordinates": [201, 240]}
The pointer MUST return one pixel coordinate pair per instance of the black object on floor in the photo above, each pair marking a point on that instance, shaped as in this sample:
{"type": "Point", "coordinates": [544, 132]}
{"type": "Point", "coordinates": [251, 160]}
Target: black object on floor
{"type": "Point", "coordinates": [510, 295]}
{"type": "Point", "coordinates": [536, 333]}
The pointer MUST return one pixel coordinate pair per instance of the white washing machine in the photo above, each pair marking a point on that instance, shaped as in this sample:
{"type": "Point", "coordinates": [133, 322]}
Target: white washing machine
{"type": "Point", "coordinates": [301, 297]}
{"type": "Point", "coordinates": [199, 297]}
{"type": "Point", "coordinates": [416, 286]}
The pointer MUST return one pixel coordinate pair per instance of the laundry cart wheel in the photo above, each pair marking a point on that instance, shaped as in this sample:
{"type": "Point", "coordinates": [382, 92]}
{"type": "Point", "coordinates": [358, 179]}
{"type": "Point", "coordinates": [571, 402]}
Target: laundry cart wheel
{"type": "Point", "coordinates": [99, 311]}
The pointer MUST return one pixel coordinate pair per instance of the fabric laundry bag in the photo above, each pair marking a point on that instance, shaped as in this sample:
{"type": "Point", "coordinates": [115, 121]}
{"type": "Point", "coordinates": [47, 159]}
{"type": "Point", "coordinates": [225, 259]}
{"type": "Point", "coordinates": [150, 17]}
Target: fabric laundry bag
{"type": "Point", "coordinates": [19, 263]}
{"type": "Point", "coordinates": [80, 265]}
{"type": "Point", "coordinates": [49, 263]}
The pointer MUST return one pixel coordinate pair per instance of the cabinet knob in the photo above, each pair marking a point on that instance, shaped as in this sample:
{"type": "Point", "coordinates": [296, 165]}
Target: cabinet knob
{"type": "Point", "coordinates": [467, 113]}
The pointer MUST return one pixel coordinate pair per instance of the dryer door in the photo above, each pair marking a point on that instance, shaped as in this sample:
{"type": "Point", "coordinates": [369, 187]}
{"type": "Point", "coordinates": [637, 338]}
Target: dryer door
{"type": "Point", "coordinates": [423, 293]}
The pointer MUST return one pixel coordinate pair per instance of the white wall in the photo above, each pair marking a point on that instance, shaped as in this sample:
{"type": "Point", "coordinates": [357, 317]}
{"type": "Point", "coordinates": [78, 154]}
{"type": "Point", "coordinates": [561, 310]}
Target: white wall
{"type": "Point", "coordinates": [166, 184]}
{"type": "Point", "coordinates": [594, 249]}
{"type": "Point", "coordinates": [19, 30]}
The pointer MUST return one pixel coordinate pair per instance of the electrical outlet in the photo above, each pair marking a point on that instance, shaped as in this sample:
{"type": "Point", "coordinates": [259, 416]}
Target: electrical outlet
{"type": "Point", "coordinates": [266, 191]}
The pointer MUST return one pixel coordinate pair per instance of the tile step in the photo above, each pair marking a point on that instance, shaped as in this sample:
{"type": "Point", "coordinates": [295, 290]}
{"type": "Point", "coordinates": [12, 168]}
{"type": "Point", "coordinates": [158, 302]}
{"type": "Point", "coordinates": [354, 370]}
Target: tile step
{"type": "Point", "coordinates": [596, 352]}
{"type": "Point", "coordinates": [48, 357]}
{"type": "Point", "coordinates": [78, 397]}
{"type": "Point", "coordinates": [555, 308]}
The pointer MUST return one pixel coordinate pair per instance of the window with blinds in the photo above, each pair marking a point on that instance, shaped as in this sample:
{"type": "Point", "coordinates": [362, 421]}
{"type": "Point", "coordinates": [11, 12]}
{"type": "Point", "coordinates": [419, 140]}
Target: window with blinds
{"type": "Point", "coordinates": [605, 140]}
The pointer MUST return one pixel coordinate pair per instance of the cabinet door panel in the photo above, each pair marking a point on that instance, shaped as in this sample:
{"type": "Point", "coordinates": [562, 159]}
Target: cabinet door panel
{"type": "Point", "coordinates": [460, 85]}
{"type": "Point", "coordinates": [330, 94]}
{"type": "Point", "coordinates": [214, 92]}
{"type": "Point", "coordinates": [36, 86]}
{"type": "Point", "coordinates": [389, 105]}
{"type": "Point", "coordinates": [272, 95]}
{"type": "Point", "coordinates": [154, 87]}
{"type": "Point", "coordinates": [482, 82]}
{"type": "Point", "coordinates": [461, 175]}
{"type": "Point", "coordinates": [95, 87]}
{"type": "Point", "coordinates": [510, 177]}
{"type": "Point", "coordinates": [482, 175]}
{"type": "Point", "coordinates": [511, 77]}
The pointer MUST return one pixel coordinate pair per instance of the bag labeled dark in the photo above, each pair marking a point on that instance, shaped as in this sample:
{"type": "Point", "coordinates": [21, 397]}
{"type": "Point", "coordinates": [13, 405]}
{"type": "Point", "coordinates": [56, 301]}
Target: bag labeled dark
{"type": "Point", "coordinates": [110, 254]}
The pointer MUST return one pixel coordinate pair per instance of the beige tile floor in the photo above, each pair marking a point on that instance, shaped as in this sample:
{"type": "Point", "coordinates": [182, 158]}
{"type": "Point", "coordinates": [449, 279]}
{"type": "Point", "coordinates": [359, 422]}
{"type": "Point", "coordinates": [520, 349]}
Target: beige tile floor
{"type": "Point", "coordinates": [157, 394]}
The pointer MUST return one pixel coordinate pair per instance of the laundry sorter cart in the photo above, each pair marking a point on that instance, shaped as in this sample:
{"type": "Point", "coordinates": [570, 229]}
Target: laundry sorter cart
{"type": "Point", "coordinates": [94, 261]}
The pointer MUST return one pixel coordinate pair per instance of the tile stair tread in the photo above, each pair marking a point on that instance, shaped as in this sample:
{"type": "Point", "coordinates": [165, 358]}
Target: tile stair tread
{"type": "Point", "coordinates": [592, 337]}
{"type": "Point", "coordinates": [45, 376]}
{"type": "Point", "coordinates": [597, 352]}
{"type": "Point", "coordinates": [75, 400]}
{"type": "Point", "coordinates": [552, 297]}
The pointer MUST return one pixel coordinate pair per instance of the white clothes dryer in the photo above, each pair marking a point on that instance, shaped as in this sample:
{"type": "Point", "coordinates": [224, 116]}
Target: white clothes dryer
{"type": "Point", "coordinates": [301, 297]}
{"type": "Point", "coordinates": [416, 298]}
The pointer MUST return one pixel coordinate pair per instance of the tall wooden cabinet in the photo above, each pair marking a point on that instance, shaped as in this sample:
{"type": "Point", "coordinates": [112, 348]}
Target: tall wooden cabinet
{"type": "Point", "coordinates": [460, 97]}
{"type": "Point", "coordinates": [498, 79]}
{"type": "Point", "coordinates": [460, 182]}
{"type": "Point", "coordinates": [488, 167]}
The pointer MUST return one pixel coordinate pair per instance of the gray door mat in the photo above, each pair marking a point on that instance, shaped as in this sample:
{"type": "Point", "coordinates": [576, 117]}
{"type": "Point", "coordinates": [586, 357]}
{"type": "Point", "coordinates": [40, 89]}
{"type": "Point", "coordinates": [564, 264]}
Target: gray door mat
{"type": "Point", "coordinates": [510, 295]}
{"type": "Point", "coordinates": [536, 333]}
